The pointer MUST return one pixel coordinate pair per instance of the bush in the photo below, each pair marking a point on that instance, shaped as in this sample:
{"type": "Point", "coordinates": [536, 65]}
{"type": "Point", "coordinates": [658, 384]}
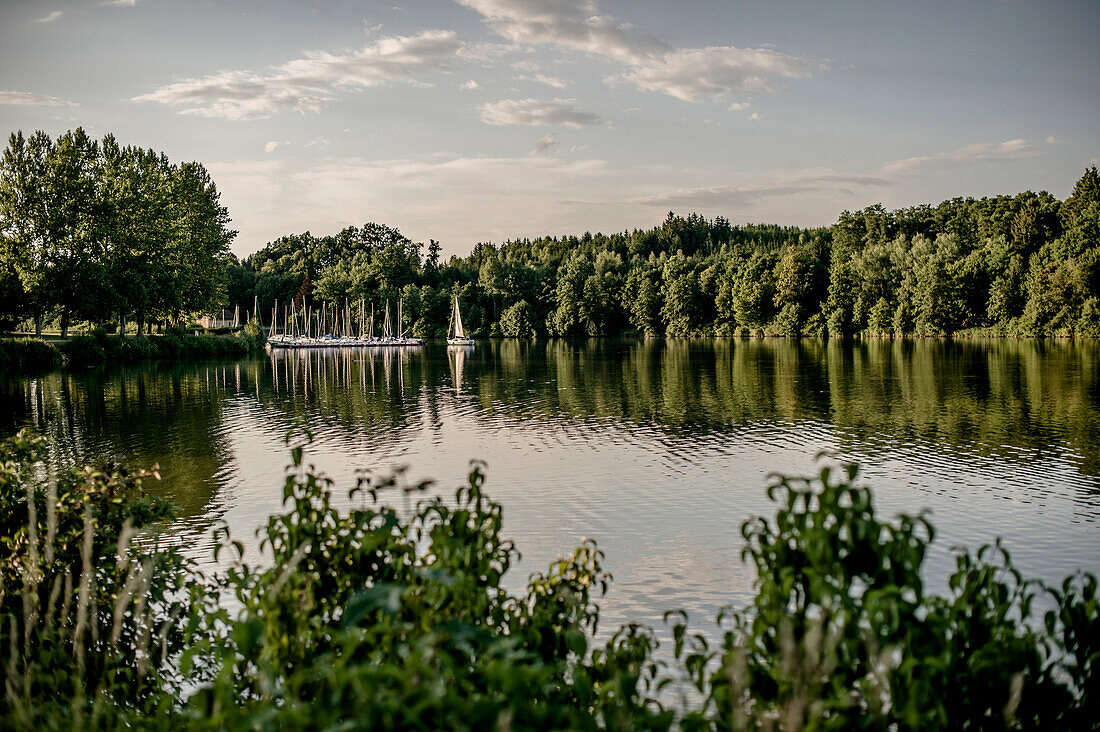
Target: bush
{"type": "Point", "coordinates": [99, 348]}
{"type": "Point", "coordinates": [27, 355]}
{"type": "Point", "coordinates": [385, 618]}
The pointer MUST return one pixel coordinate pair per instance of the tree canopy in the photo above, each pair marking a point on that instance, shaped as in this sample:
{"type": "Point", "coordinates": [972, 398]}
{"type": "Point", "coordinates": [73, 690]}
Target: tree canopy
{"type": "Point", "coordinates": [91, 229]}
{"type": "Point", "coordinates": [1023, 264]}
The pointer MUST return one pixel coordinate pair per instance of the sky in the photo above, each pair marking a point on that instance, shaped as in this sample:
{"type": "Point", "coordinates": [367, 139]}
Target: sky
{"type": "Point", "coordinates": [486, 120]}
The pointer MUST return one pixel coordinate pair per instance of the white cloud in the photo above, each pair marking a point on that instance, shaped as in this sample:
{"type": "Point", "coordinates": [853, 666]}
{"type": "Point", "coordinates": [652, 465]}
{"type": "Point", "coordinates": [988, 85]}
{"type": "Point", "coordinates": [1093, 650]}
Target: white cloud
{"type": "Point", "coordinates": [976, 153]}
{"type": "Point", "coordinates": [739, 106]}
{"type": "Point", "coordinates": [716, 71]}
{"type": "Point", "coordinates": [321, 141]}
{"type": "Point", "coordinates": [26, 99]}
{"type": "Point", "coordinates": [50, 18]}
{"type": "Point", "coordinates": [570, 24]}
{"type": "Point", "coordinates": [470, 85]}
{"type": "Point", "coordinates": [120, 3]}
{"type": "Point", "coordinates": [755, 116]}
{"type": "Point", "coordinates": [739, 196]}
{"type": "Point", "coordinates": [307, 84]}
{"type": "Point", "coordinates": [1052, 140]}
{"type": "Point", "coordinates": [544, 79]}
{"type": "Point", "coordinates": [546, 143]}
{"type": "Point", "coordinates": [562, 112]}
{"type": "Point", "coordinates": [686, 73]}
{"type": "Point", "coordinates": [270, 147]}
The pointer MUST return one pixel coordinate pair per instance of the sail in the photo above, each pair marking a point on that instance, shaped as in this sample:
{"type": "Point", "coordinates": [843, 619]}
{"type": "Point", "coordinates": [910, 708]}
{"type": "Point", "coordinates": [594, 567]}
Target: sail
{"type": "Point", "coordinates": [387, 328]}
{"type": "Point", "coordinates": [459, 331]}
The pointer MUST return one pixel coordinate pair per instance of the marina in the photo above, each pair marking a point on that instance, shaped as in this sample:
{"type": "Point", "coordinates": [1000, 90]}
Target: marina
{"type": "Point", "coordinates": [337, 327]}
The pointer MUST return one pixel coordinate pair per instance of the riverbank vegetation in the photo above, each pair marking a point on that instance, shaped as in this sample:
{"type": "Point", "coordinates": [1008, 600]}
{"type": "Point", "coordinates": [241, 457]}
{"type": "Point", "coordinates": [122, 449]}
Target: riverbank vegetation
{"type": "Point", "coordinates": [374, 617]}
{"type": "Point", "coordinates": [98, 349]}
{"type": "Point", "coordinates": [1008, 265]}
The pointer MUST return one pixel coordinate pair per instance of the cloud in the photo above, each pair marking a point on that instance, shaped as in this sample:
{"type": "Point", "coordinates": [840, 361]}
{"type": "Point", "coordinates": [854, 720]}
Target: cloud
{"type": "Point", "coordinates": [569, 24]}
{"type": "Point", "coordinates": [689, 74]}
{"type": "Point", "coordinates": [544, 79]}
{"type": "Point", "coordinates": [307, 84]}
{"type": "Point", "coordinates": [546, 143]}
{"type": "Point", "coordinates": [120, 3]}
{"type": "Point", "coordinates": [562, 112]}
{"type": "Point", "coordinates": [470, 85]}
{"type": "Point", "coordinates": [1052, 140]}
{"type": "Point", "coordinates": [976, 153]}
{"type": "Point", "coordinates": [50, 18]}
{"type": "Point", "coordinates": [270, 147]}
{"type": "Point", "coordinates": [321, 141]}
{"type": "Point", "coordinates": [738, 106]}
{"type": "Point", "coordinates": [738, 196]}
{"type": "Point", "coordinates": [26, 99]}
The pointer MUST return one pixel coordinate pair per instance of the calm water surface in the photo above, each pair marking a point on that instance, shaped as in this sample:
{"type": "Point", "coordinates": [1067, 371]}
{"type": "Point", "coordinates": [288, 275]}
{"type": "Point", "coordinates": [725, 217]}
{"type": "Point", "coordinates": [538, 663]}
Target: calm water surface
{"type": "Point", "coordinates": [658, 449]}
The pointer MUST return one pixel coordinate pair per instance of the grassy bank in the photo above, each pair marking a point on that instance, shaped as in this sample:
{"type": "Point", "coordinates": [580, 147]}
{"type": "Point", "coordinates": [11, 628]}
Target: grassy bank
{"type": "Point", "coordinates": [100, 349]}
{"type": "Point", "coordinates": [382, 619]}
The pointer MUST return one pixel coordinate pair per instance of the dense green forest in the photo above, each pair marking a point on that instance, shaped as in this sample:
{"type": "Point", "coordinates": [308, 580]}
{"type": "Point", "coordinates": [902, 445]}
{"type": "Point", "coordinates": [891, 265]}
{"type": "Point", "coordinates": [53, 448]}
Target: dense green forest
{"type": "Point", "coordinates": [1010, 265]}
{"type": "Point", "coordinates": [95, 232]}
{"type": "Point", "coordinates": [91, 231]}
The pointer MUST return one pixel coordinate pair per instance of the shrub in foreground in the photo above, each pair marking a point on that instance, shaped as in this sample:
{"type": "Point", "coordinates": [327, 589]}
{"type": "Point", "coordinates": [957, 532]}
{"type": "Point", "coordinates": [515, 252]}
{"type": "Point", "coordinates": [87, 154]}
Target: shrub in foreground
{"type": "Point", "coordinates": [384, 617]}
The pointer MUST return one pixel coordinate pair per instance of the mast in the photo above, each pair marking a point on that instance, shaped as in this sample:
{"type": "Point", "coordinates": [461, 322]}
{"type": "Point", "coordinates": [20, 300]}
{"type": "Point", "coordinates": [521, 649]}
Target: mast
{"type": "Point", "coordinates": [387, 328]}
{"type": "Point", "coordinates": [400, 320]}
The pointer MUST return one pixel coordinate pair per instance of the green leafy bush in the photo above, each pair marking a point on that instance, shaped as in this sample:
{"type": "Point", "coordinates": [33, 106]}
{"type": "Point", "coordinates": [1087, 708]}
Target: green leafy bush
{"type": "Point", "coordinates": [99, 348]}
{"type": "Point", "coordinates": [27, 354]}
{"type": "Point", "coordinates": [381, 617]}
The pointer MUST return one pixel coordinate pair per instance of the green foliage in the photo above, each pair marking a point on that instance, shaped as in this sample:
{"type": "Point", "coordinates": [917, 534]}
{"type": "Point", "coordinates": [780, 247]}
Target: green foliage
{"type": "Point", "coordinates": [26, 355]}
{"type": "Point", "coordinates": [384, 617]}
{"type": "Point", "coordinates": [92, 230]}
{"type": "Point", "coordinates": [842, 633]}
{"type": "Point", "coordinates": [100, 349]}
{"type": "Point", "coordinates": [926, 270]}
{"type": "Point", "coordinates": [91, 620]}
{"type": "Point", "coordinates": [517, 321]}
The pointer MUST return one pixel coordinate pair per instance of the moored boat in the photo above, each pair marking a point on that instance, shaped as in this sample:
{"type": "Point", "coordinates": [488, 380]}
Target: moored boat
{"type": "Point", "coordinates": [456, 334]}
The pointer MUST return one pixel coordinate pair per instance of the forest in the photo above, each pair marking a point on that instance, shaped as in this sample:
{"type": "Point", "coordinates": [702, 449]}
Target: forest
{"type": "Point", "coordinates": [1027, 264]}
{"type": "Point", "coordinates": [101, 234]}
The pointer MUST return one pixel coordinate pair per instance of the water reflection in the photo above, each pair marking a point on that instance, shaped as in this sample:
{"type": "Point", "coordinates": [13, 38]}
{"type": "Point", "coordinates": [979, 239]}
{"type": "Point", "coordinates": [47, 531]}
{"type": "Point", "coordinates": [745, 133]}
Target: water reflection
{"type": "Point", "coordinates": [658, 448]}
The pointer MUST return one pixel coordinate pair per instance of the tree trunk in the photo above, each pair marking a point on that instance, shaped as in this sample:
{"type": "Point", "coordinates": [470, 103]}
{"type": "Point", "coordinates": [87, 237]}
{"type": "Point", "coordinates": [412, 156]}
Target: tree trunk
{"type": "Point", "coordinates": [140, 321]}
{"type": "Point", "coordinates": [121, 323]}
{"type": "Point", "coordinates": [37, 323]}
{"type": "Point", "coordinates": [65, 322]}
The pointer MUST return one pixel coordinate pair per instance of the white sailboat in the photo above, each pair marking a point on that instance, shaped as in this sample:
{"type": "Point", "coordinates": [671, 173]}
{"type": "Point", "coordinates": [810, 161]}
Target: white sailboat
{"type": "Point", "coordinates": [456, 334]}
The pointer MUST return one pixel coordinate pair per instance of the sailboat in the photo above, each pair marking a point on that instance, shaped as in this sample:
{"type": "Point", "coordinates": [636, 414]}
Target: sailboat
{"type": "Point", "coordinates": [456, 334]}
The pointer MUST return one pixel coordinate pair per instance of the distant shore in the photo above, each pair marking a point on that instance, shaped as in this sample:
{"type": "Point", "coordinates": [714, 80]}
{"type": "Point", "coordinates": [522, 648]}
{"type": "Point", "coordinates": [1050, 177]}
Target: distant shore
{"type": "Point", "coordinates": [29, 353]}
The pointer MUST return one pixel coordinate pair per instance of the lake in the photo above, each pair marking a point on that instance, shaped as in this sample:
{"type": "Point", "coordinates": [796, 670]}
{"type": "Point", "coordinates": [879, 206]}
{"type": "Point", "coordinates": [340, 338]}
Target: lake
{"type": "Point", "coordinates": [659, 449]}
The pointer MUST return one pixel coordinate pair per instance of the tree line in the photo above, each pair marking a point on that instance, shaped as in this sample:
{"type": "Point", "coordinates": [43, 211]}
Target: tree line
{"type": "Point", "coordinates": [1027, 264]}
{"type": "Point", "coordinates": [94, 230]}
